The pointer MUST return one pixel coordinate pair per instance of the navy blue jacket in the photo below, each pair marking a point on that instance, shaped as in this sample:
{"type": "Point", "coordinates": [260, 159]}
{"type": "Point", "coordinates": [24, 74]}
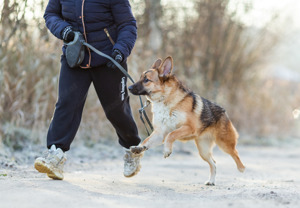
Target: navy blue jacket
{"type": "Point", "coordinates": [91, 17]}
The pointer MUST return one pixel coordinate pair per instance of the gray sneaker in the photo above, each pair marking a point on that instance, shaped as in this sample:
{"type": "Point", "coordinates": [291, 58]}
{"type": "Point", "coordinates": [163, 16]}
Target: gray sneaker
{"type": "Point", "coordinates": [52, 163]}
{"type": "Point", "coordinates": [131, 163]}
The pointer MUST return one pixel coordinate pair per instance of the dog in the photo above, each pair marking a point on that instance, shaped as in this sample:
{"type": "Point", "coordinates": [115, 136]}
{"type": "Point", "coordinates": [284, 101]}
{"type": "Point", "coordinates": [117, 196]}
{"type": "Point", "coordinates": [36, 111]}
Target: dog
{"type": "Point", "coordinates": [180, 114]}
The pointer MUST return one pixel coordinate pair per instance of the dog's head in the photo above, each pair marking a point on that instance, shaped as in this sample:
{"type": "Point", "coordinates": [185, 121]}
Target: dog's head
{"type": "Point", "coordinates": [152, 80]}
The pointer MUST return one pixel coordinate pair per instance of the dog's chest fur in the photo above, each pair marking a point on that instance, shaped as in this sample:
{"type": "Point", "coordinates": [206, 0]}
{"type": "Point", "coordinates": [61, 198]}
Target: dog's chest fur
{"type": "Point", "coordinates": [164, 119]}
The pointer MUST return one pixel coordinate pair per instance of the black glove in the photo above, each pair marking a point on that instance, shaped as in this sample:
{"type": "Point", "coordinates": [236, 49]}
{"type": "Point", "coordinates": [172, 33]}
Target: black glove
{"type": "Point", "coordinates": [68, 34]}
{"type": "Point", "coordinates": [117, 55]}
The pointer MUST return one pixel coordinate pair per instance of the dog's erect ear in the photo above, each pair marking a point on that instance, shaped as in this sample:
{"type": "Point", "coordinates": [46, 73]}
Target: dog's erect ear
{"type": "Point", "coordinates": [166, 68]}
{"type": "Point", "coordinates": [156, 64]}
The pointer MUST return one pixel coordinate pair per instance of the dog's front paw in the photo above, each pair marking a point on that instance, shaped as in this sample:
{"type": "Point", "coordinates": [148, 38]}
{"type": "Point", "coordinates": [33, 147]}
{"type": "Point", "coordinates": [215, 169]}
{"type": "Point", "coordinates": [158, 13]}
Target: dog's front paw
{"type": "Point", "coordinates": [167, 153]}
{"type": "Point", "coordinates": [209, 183]}
{"type": "Point", "coordinates": [137, 149]}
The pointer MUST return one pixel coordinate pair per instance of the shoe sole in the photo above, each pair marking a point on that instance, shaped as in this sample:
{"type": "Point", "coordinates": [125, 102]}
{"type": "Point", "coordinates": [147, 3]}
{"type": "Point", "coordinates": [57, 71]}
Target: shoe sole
{"type": "Point", "coordinates": [134, 173]}
{"type": "Point", "coordinates": [42, 168]}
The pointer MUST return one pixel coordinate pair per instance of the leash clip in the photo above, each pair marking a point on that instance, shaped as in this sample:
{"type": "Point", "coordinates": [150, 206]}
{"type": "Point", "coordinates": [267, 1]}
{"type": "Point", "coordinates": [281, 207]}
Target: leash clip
{"type": "Point", "coordinates": [147, 103]}
{"type": "Point", "coordinates": [143, 112]}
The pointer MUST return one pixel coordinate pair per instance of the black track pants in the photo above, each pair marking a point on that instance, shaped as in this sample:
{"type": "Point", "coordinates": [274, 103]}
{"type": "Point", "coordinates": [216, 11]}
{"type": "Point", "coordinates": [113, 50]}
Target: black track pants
{"type": "Point", "coordinates": [110, 85]}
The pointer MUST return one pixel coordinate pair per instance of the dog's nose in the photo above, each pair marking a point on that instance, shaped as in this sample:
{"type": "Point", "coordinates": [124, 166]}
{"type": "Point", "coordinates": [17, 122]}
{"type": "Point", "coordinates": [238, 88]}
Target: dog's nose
{"type": "Point", "coordinates": [130, 88]}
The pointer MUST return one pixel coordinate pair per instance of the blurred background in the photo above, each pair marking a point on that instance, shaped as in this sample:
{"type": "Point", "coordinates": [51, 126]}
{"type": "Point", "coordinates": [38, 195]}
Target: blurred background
{"type": "Point", "coordinates": [242, 54]}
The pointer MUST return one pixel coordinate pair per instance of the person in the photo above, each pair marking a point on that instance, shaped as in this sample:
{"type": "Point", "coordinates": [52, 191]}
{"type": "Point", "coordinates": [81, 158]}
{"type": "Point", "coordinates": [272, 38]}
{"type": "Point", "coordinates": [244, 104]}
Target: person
{"type": "Point", "coordinates": [110, 27]}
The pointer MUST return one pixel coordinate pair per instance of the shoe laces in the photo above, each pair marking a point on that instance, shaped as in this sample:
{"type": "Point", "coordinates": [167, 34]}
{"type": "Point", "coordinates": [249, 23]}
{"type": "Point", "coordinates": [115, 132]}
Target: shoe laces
{"type": "Point", "coordinates": [55, 155]}
{"type": "Point", "coordinates": [130, 157]}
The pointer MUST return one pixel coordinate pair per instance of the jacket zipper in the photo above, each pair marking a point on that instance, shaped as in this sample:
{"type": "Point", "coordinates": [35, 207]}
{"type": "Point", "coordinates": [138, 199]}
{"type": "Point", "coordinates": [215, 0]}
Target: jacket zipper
{"type": "Point", "coordinates": [84, 33]}
{"type": "Point", "coordinates": [108, 35]}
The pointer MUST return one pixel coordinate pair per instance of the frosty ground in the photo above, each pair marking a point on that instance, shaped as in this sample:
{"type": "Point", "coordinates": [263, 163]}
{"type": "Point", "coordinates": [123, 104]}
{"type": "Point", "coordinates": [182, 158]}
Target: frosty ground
{"type": "Point", "coordinates": [94, 179]}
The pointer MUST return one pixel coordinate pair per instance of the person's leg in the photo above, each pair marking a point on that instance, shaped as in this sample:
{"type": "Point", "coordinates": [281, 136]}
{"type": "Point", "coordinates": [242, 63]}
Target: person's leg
{"type": "Point", "coordinates": [110, 85]}
{"type": "Point", "coordinates": [72, 92]}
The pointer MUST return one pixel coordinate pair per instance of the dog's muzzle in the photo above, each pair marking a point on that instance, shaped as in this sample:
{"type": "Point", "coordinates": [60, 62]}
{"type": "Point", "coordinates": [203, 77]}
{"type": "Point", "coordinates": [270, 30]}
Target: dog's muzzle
{"type": "Point", "coordinates": [131, 88]}
{"type": "Point", "coordinates": [137, 89]}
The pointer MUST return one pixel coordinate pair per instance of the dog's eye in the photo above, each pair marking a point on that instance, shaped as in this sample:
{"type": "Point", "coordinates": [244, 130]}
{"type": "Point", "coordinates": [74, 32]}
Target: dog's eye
{"type": "Point", "coordinates": [146, 80]}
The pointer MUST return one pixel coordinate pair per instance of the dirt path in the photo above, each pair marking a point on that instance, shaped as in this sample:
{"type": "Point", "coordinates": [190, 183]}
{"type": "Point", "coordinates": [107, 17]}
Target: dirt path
{"type": "Point", "coordinates": [272, 179]}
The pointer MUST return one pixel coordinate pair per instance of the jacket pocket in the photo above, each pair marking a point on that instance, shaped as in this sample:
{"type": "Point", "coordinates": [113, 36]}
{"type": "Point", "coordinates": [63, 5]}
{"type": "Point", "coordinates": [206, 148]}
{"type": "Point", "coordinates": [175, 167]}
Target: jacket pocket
{"type": "Point", "coordinates": [109, 36]}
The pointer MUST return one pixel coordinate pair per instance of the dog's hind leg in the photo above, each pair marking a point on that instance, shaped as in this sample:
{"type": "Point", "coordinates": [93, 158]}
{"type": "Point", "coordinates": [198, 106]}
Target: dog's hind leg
{"type": "Point", "coordinates": [227, 141]}
{"type": "Point", "coordinates": [205, 145]}
{"type": "Point", "coordinates": [230, 149]}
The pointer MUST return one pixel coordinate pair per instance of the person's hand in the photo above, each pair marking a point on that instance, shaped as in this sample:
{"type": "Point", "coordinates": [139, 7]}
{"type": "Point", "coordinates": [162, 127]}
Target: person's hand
{"type": "Point", "coordinates": [68, 34]}
{"type": "Point", "coordinates": [117, 56]}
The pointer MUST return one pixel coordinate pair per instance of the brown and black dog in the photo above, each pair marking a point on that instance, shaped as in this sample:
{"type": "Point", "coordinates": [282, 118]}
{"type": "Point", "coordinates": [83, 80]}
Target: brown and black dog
{"type": "Point", "coordinates": [180, 114]}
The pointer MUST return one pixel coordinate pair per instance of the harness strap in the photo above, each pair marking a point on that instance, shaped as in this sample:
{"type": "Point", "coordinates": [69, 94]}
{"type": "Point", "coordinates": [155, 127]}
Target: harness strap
{"type": "Point", "coordinates": [142, 109]}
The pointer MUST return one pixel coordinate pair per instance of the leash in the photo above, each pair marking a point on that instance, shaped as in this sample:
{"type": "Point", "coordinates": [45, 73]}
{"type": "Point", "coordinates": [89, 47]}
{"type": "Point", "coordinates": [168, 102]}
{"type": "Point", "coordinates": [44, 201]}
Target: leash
{"type": "Point", "coordinates": [142, 109]}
